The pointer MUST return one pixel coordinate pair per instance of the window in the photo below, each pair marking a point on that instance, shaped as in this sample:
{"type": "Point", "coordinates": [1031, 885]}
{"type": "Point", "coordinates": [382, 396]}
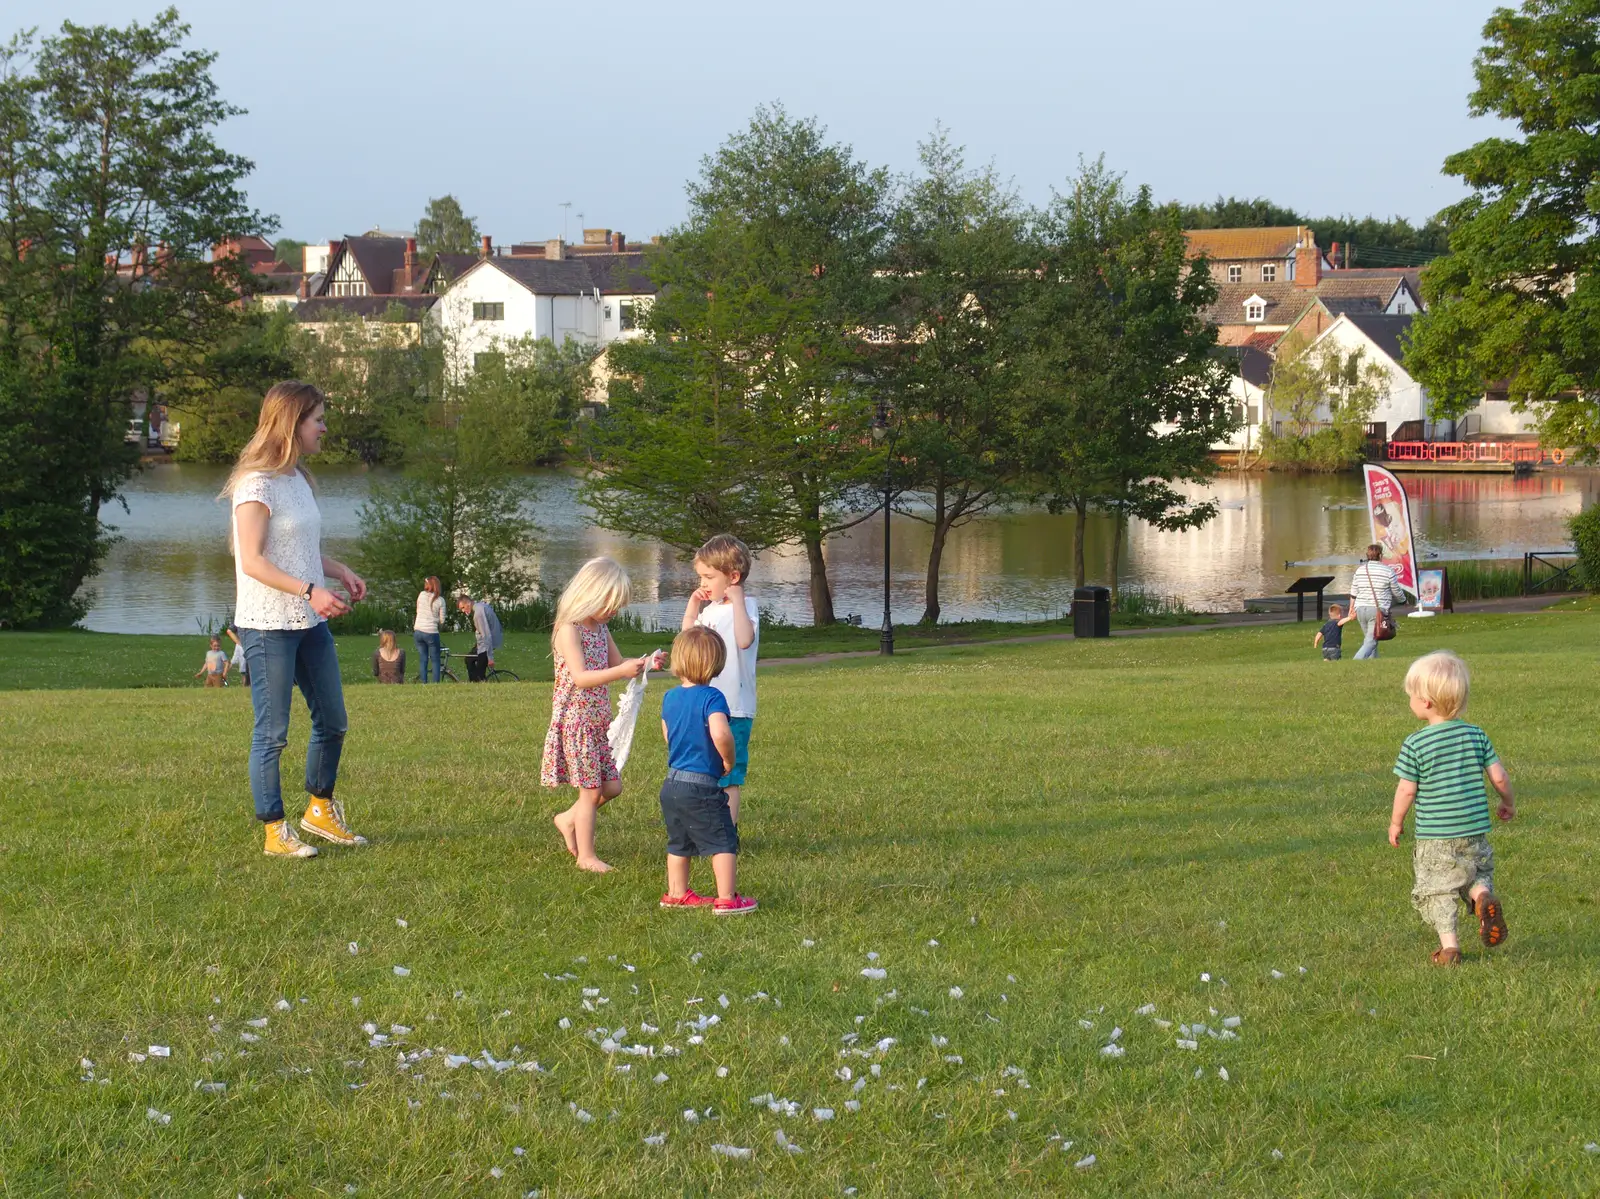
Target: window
{"type": "Point", "coordinates": [1269, 272]}
{"type": "Point", "coordinates": [629, 320]}
{"type": "Point", "coordinates": [487, 359]}
{"type": "Point", "coordinates": [488, 312]}
{"type": "Point", "coordinates": [608, 312]}
{"type": "Point", "coordinates": [881, 335]}
{"type": "Point", "coordinates": [1400, 308]}
{"type": "Point", "coordinates": [1255, 310]}
{"type": "Point", "coordinates": [1235, 274]}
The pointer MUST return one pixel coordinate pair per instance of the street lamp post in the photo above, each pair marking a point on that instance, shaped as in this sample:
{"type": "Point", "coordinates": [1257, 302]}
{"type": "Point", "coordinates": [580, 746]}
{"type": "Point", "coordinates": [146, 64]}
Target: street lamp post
{"type": "Point", "coordinates": [883, 432]}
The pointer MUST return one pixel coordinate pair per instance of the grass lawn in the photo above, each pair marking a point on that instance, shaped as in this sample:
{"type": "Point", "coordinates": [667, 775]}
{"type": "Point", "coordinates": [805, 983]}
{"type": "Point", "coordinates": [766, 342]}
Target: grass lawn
{"type": "Point", "coordinates": [75, 659]}
{"type": "Point", "coordinates": [1066, 832]}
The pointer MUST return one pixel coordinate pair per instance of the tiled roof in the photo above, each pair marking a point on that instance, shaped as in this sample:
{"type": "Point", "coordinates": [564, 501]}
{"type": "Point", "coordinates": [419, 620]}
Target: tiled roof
{"type": "Point", "coordinates": [1339, 291]}
{"type": "Point", "coordinates": [1385, 331]}
{"type": "Point", "coordinates": [1277, 241]}
{"type": "Point", "coordinates": [379, 258]}
{"type": "Point", "coordinates": [611, 274]}
{"type": "Point", "coordinates": [322, 308]}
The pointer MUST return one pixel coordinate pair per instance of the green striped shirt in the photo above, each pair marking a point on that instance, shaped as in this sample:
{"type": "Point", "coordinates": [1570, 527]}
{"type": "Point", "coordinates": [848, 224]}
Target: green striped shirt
{"type": "Point", "coordinates": [1446, 761]}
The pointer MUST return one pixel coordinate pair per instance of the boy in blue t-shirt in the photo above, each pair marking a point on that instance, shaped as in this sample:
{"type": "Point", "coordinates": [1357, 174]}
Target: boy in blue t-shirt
{"type": "Point", "coordinates": [1330, 637]}
{"type": "Point", "coordinates": [700, 751]}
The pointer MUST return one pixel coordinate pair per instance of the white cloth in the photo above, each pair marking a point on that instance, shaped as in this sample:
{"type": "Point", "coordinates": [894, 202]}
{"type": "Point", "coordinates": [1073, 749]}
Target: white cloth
{"type": "Point", "coordinates": [238, 656]}
{"type": "Point", "coordinates": [294, 546]}
{"type": "Point", "coordinates": [430, 612]}
{"type": "Point", "coordinates": [1375, 586]}
{"type": "Point", "coordinates": [737, 682]}
{"type": "Point", "coordinates": [620, 734]}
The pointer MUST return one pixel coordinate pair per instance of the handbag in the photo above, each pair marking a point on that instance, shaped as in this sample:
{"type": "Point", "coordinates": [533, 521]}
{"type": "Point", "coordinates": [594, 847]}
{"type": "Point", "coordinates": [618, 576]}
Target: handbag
{"type": "Point", "coordinates": [1383, 629]}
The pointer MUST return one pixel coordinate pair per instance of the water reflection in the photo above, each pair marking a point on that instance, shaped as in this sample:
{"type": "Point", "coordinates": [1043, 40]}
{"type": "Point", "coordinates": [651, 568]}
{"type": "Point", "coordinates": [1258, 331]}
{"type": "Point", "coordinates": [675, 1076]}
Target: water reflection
{"type": "Point", "coordinates": [171, 567]}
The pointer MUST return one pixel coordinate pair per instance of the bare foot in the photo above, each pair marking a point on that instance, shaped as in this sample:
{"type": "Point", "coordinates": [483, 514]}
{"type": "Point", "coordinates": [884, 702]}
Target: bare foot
{"type": "Point", "coordinates": [564, 825]}
{"type": "Point", "coordinates": [593, 864]}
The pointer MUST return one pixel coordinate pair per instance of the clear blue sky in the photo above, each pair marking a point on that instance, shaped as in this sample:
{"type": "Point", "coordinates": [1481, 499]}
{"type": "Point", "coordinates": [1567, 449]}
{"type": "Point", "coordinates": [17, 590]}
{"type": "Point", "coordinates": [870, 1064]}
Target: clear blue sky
{"type": "Point", "coordinates": [360, 110]}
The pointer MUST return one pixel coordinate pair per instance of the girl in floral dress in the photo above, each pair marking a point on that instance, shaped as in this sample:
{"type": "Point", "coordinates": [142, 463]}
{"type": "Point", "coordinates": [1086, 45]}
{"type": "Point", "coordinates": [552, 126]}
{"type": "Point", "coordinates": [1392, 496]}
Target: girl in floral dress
{"type": "Point", "coordinates": [576, 752]}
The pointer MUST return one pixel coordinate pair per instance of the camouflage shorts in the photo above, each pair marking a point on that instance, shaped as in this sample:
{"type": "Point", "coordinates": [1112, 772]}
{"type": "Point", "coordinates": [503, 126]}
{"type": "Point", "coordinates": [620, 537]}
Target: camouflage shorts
{"type": "Point", "coordinates": [1446, 871]}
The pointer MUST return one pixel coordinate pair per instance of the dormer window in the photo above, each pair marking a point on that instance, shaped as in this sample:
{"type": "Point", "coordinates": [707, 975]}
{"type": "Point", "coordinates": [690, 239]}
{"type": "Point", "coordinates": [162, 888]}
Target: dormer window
{"type": "Point", "coordinates": [1269, 272]}
{"type": "Point", "coordinates": [1255, 310]}
{"type": "Point", "coordinates": [1235, 274]}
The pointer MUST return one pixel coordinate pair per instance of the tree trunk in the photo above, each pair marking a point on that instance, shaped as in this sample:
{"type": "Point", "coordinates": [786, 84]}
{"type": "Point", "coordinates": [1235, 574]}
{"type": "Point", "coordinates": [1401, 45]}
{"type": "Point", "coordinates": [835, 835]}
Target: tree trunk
{"type": "Point", "coordinates": [1116, 554]}
{"type": "Point", "coordinates": [821, 595]}
{"type": "Point", "coordinates": [1082, 510]}
{"type": "Point", "coordinates": [941, 530]}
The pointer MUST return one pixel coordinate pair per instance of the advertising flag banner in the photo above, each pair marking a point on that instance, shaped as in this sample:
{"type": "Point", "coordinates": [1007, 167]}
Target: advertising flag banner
{"type": "Point", "coordinates": [1391, 524]}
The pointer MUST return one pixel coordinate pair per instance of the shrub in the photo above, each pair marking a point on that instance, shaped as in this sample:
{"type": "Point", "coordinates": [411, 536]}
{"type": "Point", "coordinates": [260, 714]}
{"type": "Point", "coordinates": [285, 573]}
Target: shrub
{"type": "Point", "coordinates": [1585, 529]}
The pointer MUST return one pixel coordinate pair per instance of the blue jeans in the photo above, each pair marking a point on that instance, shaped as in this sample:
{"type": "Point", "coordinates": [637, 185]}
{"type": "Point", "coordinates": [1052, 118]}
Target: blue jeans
{"type": "Point", "coordinates": [1367, 618]}
{"type": "Point", "coordinates": [280, 660]}
{"type": "Point", "coordinates": [428, 651]}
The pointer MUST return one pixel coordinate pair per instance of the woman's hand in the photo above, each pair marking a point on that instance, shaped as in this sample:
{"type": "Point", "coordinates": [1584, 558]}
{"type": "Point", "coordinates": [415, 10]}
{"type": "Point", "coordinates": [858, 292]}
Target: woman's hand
{"type": "Point", "coordinates": [326, 604]}
{"type": "Point", "coordinates": [354, 584]}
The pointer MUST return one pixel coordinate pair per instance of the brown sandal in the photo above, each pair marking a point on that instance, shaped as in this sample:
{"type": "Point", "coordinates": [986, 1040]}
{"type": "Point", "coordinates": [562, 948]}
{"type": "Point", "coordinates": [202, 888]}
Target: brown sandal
{"type": "Point", "coordinates": [1446, 957]}
{"type": "Point", "coordinates": [1491, 919]}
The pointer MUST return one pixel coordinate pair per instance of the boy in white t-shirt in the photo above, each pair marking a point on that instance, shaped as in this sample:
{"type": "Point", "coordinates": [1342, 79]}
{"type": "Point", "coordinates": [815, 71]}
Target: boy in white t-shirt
{"type": "Point", "coordinates": [720, 604]}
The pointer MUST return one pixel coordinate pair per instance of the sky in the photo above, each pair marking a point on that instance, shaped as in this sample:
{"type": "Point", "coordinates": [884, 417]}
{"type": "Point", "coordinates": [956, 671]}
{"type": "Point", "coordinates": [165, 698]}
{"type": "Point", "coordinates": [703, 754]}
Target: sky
{"type": "Point", "coordinates": [359, 111]}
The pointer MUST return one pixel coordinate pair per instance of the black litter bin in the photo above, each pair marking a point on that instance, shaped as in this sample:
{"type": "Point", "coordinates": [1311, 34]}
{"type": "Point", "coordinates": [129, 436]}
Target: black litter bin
{"type": "Point", "coordinates": [1091, 612]}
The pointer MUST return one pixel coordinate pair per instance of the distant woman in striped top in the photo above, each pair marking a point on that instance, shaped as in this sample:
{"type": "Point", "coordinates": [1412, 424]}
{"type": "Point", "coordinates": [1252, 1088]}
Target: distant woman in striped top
{"type": "Point", "coordinates": [1374, 589]}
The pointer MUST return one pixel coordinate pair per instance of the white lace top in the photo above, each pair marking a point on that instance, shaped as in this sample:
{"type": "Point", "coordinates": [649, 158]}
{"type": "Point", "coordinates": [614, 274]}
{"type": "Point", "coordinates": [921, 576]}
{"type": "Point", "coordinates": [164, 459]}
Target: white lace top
{"type": "Point", "coordinates": [294, 546]}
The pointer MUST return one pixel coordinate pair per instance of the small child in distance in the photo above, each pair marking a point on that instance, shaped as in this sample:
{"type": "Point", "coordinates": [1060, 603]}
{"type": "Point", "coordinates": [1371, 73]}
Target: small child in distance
{"type": "Point", "coordinates": [1441, 769]}
{"type": "Point", "coordinates": [1331, 635]}
{"type": "Point", "coordinates": [216, 665]}
{"type": "Point", "coordinates": [700, 752]}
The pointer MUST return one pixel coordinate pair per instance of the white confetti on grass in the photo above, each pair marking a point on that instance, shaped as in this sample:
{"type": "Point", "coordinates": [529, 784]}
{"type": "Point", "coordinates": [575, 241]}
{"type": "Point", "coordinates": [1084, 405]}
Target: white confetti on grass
{"type": "Point", "coordinates": [786, 1144]}
{"type": "Point", "coordinates": [401, 972]}
{"type": "Point", "coordinates": [155, 1117]}
{"type": "Point", "coordinates": [282, 1005]}
{"type": "Point", "coordinates": [874, 973]}
{"type": "Point", "coordinates": [956, 993]}
{"type": "Point", "coordinates": [210, 1088]}
{"type": "Point", "coordinates": [161, 1051]}
{"type": "Point", "coordinates": [736, 1152]}
{"type": "Point", "coordinates": [354, 948]}
{"type": "Point", "coordinates": [1083, 1163]}
{"type": "Point", "coordinates": [821, 1114]}
{"type": "Point", "coordinates": [399, 922]}
{"type": "Point", "coordinates": [1113, 1051]}
{"type": "Point", "coordinates": [1148, 1009]}
{"type": "Point", "coordinates": [656, 1140]}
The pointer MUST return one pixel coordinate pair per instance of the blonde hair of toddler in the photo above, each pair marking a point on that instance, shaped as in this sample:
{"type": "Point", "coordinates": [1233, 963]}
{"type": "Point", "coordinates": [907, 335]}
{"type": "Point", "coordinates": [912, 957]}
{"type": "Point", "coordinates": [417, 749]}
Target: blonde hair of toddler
{"type": "Point", "coordinates": [698, 655]}
{"type": "Point", "coordinates": [601, 588]}
{"type": "Point", "coordinates": [1441, 678]}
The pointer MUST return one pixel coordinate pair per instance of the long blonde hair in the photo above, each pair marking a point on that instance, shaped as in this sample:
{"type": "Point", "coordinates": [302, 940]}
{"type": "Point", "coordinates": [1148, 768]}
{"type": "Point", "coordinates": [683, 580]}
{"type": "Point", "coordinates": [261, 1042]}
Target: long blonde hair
{"type": "Point", "coordinates": [600, 588]}
{"type": "Point", "coordinates": [275, 447]}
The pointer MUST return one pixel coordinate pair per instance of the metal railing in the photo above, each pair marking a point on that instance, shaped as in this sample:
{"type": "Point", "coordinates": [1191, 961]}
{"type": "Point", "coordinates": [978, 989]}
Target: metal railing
{"type": "Point", "coordinates": [1507, 452]}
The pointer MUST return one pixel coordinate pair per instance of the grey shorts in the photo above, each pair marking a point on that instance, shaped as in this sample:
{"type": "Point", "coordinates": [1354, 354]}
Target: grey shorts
{"type": "Point", "coordinates": [1332, 653]}
{"type": "Point", "coordinates": [1446, 870]}
{"type": "Point", "coordinates": [697, 818]}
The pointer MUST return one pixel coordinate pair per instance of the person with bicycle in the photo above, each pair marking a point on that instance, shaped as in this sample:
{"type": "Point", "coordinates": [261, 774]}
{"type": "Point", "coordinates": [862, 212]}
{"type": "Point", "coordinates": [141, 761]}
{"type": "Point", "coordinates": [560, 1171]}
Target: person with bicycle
{"type": "Point", "coordinates": [487, 636]}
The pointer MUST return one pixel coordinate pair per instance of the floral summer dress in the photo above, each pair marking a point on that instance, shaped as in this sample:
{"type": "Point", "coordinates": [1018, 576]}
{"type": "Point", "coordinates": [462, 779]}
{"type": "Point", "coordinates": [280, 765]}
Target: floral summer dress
{"type": "Point", "coordinates": [576, 752]}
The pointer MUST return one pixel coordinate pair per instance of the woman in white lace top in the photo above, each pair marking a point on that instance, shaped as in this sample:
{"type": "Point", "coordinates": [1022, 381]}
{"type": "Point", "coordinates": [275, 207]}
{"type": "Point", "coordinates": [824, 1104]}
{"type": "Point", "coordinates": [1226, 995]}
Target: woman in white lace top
{"type": "Point", "coordinates": [282, 611]}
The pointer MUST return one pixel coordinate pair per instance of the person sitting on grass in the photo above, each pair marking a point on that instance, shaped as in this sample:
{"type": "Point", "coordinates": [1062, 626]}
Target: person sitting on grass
{"type": "Point", "coordinates": [700, 752]}
{"type": "Point", "coordinates": [388, 660]}
{"type": "Point", "coordinates": [1441, 770]}
{"type": "Point", "coordinates": [216, 665]}
{"type": "Point", "coordinates": [1330, 637]}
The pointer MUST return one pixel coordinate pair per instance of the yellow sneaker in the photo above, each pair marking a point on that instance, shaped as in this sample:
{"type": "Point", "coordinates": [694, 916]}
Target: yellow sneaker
{"type": "Point", "coordinates": [325, 818]}
{"type": "Point", "coordinates": [282, 843]}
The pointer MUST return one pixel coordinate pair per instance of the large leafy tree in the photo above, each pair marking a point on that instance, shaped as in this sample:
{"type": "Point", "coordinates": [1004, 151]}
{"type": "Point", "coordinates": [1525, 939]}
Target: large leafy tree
{"type": "Point", "coordinates": [745, 408]}
{"type": "Point", "coordinates": [1516, 303]}
{"type": "Point", "coordinates": [1123, 389]}
{"type": "Point", "coordinates": [1323, 398]}
{"type": "Point", "coordinates": [446, 229]}
{"type": "Point", "coordinates": [955, 262]}
{"type": "Point", "coordinates": [112, 191]}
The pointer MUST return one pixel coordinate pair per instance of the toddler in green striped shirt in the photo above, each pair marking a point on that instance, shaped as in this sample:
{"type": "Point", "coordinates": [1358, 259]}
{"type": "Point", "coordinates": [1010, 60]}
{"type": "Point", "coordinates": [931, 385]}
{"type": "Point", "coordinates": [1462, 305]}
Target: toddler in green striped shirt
{"type": "Point", "coordinates": [1441, 769]}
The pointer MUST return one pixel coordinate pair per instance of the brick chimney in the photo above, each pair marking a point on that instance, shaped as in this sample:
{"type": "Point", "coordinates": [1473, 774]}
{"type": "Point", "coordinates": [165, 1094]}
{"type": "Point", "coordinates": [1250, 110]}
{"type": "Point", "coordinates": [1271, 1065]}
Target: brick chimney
{"type": "Point", "coordinates": [305, 287]}
{"type": "Point", "coordinates": [487, 248]}
{"type": "Point", "coordinates": [1307, 262]}
{"type": "Point", "coordinates": [555, 250]}
{"type": "Point", "coordinates": [409, 271]}
{"type": "Point", "coordinates": [1333, 255]}
{"type": "Point", "coordinates": [618, 243]}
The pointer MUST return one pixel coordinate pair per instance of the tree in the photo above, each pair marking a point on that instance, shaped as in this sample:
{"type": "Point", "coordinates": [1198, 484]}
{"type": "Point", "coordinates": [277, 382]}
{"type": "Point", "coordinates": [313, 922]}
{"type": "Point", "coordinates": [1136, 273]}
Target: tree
{"type": "Point", "coordinates": [541, 386]}
{"type": "Point", "coordinates": [1325, 398]}
{"type": "Point", "coordinates": [112, 190]}
{"type": "Point", "coordinates": [290, 252]}
{"type": "Point", "coordinates": [220, 401]}
{"type": "Point", "coordinates": [1516, 303]}
{"type": "Point", "coordinates": [458, 509]}
{"type": "Point", "coordinates": [745, 408]}
{"type": "Point", "coordinates": [446, 229]}
{"type": "Point", "coordinates": [1123, 390]}
{"type": "Point", "coordinates": [956, 265]}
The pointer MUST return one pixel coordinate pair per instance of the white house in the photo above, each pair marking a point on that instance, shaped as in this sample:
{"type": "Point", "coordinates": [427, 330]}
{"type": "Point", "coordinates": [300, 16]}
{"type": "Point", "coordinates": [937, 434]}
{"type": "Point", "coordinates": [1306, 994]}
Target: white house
{"type": "Point", "coordinates": [594, 299]}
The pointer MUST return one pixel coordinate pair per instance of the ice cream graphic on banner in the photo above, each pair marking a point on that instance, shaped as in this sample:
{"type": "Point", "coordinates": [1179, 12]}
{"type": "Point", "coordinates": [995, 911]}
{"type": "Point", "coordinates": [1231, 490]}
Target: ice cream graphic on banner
{"type": "Point", "coordinates": [1391, 524]}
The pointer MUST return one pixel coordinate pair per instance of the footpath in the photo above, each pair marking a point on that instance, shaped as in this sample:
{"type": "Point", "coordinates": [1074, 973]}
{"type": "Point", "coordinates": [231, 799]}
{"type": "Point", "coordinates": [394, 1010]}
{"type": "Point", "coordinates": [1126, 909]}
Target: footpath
{"type": "Point", "coordinates": [1221, 620]}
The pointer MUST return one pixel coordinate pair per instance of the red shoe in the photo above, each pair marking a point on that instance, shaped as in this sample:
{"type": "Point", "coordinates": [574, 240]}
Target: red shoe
{"type": "Point", "coordinates": [689, 900]}
{"type": "Point", "coordinates": [739, 905]}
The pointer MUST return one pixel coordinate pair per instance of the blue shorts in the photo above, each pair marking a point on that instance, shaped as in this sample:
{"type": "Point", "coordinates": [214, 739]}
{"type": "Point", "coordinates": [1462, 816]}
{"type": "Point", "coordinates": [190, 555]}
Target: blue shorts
{"type": "Point", "coordinates": [695, 811]}
{"type": "Point", "coordinates": [741, 751]}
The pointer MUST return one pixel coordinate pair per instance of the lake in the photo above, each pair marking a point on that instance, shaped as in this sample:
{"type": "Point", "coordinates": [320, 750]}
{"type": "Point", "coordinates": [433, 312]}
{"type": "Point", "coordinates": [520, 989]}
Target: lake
{"type": "Point", "coordinates": [171, 571]}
